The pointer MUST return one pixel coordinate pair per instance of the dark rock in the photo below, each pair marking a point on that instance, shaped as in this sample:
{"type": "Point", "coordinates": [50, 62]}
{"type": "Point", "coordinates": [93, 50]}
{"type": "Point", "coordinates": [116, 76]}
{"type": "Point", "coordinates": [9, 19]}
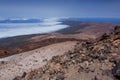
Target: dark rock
{"type": "Point", "coordinates": [2, 62]}
{"type": "Point", "coordinates": [60, 77]}
{"type": "Point", "coordinates": [95, 78]}
{"type": "Point", "coordinates": [24, 74]}
{"type": "Point", "coordinates": [92, 68]}
{"type": "Point", "coordinates": [83, 65]}
{"type": "Point", "coordinates": [116, 70]}
{"type": "Point", "coordinates": [104, 37]}
{"type": "Point", "coordinates": [117, 30]}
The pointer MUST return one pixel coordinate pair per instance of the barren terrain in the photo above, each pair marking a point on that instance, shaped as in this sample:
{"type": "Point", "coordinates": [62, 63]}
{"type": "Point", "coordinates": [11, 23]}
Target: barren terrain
{"type": "Point", "coordinates": [16, 65]}
{"type": "Point", "coordinates": [75, 53]}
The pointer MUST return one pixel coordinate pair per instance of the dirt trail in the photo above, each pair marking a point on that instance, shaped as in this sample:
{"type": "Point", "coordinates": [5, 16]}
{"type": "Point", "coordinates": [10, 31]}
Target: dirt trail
{"type": "Point", "coordinates": [18, 64]}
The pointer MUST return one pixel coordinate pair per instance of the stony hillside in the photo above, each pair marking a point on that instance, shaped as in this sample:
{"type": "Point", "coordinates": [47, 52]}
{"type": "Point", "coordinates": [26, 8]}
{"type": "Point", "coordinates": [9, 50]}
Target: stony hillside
{"type": "Point", "coordinates": [90, 60]}
{"type": "Point", "coordinates": [18, 64]}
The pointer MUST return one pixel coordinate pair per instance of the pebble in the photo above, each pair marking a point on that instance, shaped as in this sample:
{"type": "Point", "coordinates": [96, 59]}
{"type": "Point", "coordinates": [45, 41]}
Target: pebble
{"type": "Point", "coordinates": [92, 68]}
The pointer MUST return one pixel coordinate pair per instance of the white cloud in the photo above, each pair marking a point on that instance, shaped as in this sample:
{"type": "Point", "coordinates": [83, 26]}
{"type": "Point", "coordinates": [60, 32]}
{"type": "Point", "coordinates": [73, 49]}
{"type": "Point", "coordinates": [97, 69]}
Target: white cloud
{"type": "Point", "coordinates": [48, 25]}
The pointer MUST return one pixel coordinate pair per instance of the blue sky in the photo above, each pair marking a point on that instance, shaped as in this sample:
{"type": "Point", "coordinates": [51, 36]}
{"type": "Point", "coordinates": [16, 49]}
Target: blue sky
{"type": "Point", "coordinates": [59, 8]}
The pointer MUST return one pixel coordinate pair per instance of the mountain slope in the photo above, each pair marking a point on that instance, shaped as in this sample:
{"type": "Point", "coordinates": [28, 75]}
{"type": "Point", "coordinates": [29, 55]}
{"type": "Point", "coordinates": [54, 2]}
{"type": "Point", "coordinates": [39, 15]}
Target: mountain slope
{"type": "Point", "coordinates": [90, 60]}
{"type": "Point", "coordinates": [22, 63]}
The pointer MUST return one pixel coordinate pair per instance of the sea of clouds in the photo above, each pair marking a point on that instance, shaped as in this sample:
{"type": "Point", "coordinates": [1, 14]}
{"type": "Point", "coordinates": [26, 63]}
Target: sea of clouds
{"type": "Point", "coordinates": [16, 29]}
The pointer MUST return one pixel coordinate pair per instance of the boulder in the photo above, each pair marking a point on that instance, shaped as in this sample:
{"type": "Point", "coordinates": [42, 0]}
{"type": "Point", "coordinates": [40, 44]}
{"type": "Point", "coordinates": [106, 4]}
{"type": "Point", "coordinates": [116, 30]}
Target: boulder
{"type": "Point", "coordinates": [116, 70]}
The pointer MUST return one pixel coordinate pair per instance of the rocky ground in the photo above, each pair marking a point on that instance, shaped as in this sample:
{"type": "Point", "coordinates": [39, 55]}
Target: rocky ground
{"type": "Point", "coordinates": [90, 60]}
{"type": "Point", "coordinates": [23, 63]}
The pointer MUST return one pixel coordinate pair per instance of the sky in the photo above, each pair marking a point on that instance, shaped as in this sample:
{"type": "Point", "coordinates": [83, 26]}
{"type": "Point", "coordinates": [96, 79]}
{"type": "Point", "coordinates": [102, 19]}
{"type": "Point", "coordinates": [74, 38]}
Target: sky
{"type": "Point", "coordinates": [59, 8]}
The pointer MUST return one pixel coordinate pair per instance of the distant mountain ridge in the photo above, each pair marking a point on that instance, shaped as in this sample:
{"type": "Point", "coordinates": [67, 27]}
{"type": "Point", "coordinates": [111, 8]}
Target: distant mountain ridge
{"type": "Point", "coordinates": [20, 21]}
{"type": "Point", "coordinates": [35, 20]}
{"type": "Point", "coordinates": [109, 20]}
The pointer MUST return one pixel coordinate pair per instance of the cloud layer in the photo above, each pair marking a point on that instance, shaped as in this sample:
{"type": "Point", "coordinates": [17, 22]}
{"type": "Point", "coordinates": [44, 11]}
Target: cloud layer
{"type": "Point", "coordinates": [12, 29]}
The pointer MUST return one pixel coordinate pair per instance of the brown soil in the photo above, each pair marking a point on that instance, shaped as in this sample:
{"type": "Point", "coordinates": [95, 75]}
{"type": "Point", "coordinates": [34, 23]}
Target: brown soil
{"type": "Point", "coordinates": [4, 52]}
